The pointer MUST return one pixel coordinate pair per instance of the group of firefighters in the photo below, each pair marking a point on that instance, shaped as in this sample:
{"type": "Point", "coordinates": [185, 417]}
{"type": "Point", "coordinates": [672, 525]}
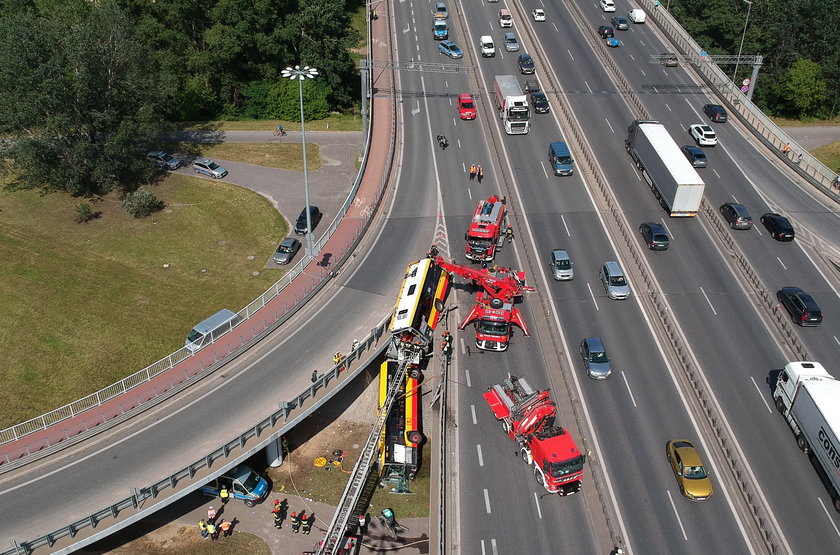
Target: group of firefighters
{"type": "Point", "coordinates": [301, 522]}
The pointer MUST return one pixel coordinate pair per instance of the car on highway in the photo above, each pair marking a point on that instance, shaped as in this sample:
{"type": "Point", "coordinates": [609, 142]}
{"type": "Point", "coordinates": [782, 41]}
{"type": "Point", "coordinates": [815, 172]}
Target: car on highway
{"type": "Point", "coordinates": [540, 102]}
{"type": "Point", "coordinates": [736, 215]}
{"type": "Point", "coordinates": [449, 48]}
{"type": "Point", "coordinates": [511, 42]}
{"type": "Point", "coordinates": [694, 481]}
{"type": "Point", "coordinates": [703, 134]}
{"type": "Point", "coordinates": [637, 15]}
{"type": "Point", "coordinates": [531, 86]}
{"type": "Point", "coordinates": [466, 106]}
{"type": "Point", "coordinates": [505, 19]}
{"type": "Point", "coordinates": [164, 160]}
{"type": "Point", "coordinates": [440, 11]}
{"type": "Point", "coordinates": [605, 31]}
{"type": "Point", "coordinates": [526, 64]}
{"type": "Point", "coordinates": [800, 305]}
{"type": "Point", "coordinates": [778, 226]}
{"type": "Point", "coordinates": [716, 113]}
{"type": "Point", "coordinates": [620, 22]}
{"type": "Point", "coordinates": [669, 59]}
{"type": "Point", "coordinates": [608, 5]}
{"type": "Point", "coordinates": [314, 217]}
{"type": "Point", "coordinates": [595, 358]}
{"type": "Point", "coordinates": [538, 14]}
{"type": "Point", "coordinates": [695, 155]}
{"type": "Point", "coordinates": [488, 49]}
{"type": "Point", "coordinates": [207, 166]}
{"type": "Point", "coordinates": [562, 267]}
{"type": "Point", "coordinates": [613, 42]}
{"type": "Point", "coordinates": [655, 236]}
{"type": "Point", "coordinates": [286, 250]}
{"type": "Point", "coordinates": [614, 281]}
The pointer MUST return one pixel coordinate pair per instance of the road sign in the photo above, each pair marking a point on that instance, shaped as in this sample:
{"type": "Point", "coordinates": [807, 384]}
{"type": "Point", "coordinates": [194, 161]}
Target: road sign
{"type": "Point", "coordinates": [746, 82]}
{"type": "Point", "coordinates": [745, 89]}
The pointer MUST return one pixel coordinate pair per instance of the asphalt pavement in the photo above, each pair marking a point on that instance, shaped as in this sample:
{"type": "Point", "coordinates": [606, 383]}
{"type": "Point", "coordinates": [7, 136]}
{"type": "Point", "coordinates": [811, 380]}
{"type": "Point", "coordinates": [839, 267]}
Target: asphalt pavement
{"type": "Point", "coordinates": [813, 137]}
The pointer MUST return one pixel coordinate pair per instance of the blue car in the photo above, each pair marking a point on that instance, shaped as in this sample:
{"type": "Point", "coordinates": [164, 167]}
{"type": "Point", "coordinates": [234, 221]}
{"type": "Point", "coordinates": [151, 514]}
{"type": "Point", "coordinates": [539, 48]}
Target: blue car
{"type": "Point", "coordinates": [450, 49]}
{"type": "Point", "coordinates": [613, 42]}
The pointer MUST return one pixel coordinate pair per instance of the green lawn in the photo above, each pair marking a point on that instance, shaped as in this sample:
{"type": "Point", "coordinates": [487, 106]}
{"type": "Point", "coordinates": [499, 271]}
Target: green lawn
{"type": "Point", "coordinates": [84, 305]}
{"type": "Point", "coordinates": [336, 122]}
{"type": "Point", "coordinates": [829, 155]}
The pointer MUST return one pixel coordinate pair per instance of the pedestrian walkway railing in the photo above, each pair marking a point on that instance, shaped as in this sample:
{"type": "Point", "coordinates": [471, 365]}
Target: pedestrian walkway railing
{"type": "Point", "coordinates": [820, 175]}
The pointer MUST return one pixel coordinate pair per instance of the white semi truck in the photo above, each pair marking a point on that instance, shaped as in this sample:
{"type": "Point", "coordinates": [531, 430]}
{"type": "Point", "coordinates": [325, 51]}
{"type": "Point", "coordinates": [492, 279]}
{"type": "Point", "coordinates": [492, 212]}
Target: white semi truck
{"type": "Point", "coordinates": [809, 399]}
{"type": "Point", "coordinates": [673, 179]}
{"type": "Point", "coordinates": [512, 104]}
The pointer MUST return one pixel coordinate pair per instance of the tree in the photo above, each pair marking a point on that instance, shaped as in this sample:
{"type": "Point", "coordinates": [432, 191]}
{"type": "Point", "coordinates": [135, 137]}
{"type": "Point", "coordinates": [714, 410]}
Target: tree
{"type": "Point", "coordinates": [802, 89]}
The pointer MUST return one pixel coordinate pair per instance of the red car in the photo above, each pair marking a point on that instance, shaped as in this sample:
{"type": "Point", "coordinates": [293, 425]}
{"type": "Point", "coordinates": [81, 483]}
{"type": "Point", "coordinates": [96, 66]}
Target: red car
{"type": "Point", "coordinates": [466, 106]}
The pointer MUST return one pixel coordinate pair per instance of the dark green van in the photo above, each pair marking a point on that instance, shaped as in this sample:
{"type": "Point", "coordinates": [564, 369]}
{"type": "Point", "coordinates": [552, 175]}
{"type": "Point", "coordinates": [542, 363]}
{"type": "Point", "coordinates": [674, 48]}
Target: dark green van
{"type": "Point", "coordinates": [560, 158]}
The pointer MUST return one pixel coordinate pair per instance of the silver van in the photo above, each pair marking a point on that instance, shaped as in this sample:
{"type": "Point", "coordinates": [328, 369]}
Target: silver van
{"type": "Point", "coordinates": [210, 329]}
{"type": "Point", "coordinates": [614, 280]}
{"type": "Point", "coordinates": [560, 158]}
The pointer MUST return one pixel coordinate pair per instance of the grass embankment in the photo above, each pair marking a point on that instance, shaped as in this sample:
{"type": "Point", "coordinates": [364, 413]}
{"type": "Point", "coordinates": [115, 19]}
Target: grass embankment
{"type": "Point", "coordinates": [173, 539]}
{"type": "Point", "coordinates": [829, 155]}
{"type": "Point", "coordinates": [284, 156]}
{"type": "Point", "coordinates": [335, 122]}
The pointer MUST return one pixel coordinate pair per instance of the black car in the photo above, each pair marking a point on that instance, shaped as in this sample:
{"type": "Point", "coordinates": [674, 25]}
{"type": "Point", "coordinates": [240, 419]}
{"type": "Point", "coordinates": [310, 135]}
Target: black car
{"type": "Point", "coordinates": [737, 215]}
{"type": "Point", "coordinates": [778, 226]}
{"type": "Point", "coordinates": [655, 236]}
{"type": "Point", "coordinates": [801, 306]}
{"type": "Point", "coordinates": [715, 112]}
{"type": "Point", "coordinates": [314, 217]}
{"type": "Point", "coordinates": [620, 22]}
{"type": "Point", "coordinates": [696, 156]}
{"type": "Point", "coordinates": [531, 86]}
{"type": "Point", "coordinates": [605, 32]}
{"type": "Point", "coordinates": [540, 102]}
{"type": "Point", "coordinates": [526, 64]}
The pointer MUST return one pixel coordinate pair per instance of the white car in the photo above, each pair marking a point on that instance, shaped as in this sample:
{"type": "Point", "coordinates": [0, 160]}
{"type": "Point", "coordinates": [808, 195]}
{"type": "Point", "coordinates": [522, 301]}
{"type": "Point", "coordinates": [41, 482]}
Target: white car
{"type": "Point", "coordinates": [636, 15]}
{"type": "Point", "coordinates": [539, 14]}
{"type": "Point", "coordinates": [703, 134]}
{"type": "Point", "coordinates": [608, 5]}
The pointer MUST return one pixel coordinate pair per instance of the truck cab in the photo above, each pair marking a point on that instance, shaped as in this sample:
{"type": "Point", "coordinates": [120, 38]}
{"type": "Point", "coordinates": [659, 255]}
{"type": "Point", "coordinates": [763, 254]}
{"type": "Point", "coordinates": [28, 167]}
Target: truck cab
{"type": "Point", "coordinates": [243, 483]}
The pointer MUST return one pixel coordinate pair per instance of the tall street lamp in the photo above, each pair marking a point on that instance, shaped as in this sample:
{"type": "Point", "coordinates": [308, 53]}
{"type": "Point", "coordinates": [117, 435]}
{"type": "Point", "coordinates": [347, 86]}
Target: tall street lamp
{"type": "Point", "coordinates": [300, 74]}
{"type": "Point", "coordinates": [743, 35]}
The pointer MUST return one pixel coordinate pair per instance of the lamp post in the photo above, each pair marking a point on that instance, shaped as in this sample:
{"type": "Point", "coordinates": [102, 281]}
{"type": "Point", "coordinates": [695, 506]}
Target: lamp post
{"type": "Point", "coordinates": [300, 74]}
{"type": "Point", "coordinates": [743, 36]}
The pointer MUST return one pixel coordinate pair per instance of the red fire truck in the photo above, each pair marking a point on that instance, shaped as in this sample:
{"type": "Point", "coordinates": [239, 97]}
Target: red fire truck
{"type": "Point", "coordinates": [485, 234]}
{"type": "Point", "coordinates": [528, 418]}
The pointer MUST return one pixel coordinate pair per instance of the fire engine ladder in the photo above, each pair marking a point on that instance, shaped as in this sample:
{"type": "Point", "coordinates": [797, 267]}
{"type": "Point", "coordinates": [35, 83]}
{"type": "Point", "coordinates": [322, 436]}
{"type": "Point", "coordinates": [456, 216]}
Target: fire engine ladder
{"type": "Point", "coordinates": [354, 488]}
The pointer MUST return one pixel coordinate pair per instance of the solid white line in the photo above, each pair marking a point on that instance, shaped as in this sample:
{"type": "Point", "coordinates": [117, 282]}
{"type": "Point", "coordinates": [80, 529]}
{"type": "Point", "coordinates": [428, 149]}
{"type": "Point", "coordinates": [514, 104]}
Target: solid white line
{"type": "Point", "coordinates": [480, 456]}
{"type": "Point", "coordinates": [782, 263]}
{"type": "Point", "coordinates": [626, 383]}
{"type": "Point", "coordinates": [487, 501]}
{"type": "Point", "coordinates": [591, 294]}
{"type": "Point", "coordinates": [676, 514]}
{"type": "Point", "coordinates": [831, 520]}
{"type": "Point", "coordinates": [467, 374]}
{"type": "Point", "coordinates": [708, 301]}
{"type": "Point", "coordinates": [472, 410]}
{"type": "Point", "coordinates": [760, 396]}
{"type": "Point", "coordinates": [562, 219]}
{"type": "Point", "coordinates": [537, 501]}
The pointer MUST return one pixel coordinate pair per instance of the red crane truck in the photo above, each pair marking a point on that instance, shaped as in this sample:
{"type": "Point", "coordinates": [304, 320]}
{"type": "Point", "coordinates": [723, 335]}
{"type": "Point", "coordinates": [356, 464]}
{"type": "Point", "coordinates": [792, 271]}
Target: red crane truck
{"type": "Point", "coordinates": [484, 235]}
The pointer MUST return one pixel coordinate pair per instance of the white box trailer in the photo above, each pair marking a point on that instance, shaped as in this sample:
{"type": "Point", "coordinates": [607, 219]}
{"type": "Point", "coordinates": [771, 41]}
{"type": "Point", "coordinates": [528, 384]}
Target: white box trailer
{"type": "Point", "coordinates": [674, 181]}
{"type": "Point", "coordinates": [809, 399]}
{"type": "Point", "coordinates": [512, 104]}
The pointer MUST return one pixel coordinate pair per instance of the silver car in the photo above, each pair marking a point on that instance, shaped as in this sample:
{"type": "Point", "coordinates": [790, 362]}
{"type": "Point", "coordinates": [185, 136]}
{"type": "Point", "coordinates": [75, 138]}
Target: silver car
{"type": "Point", "coordinates": [595, 358]}
{"type": "Point", "coordinates": [164, 160]}
{"type": "Point", "coordinates": [511, 42]}
{"type": "Point", "coordinates": [614, 280]}
{"type": "Point", "coordinates": [209, 167]}
{"type": "Point", "coordinates": [286, 250]}
{"type": "Point", "coordinates": [561, 265]}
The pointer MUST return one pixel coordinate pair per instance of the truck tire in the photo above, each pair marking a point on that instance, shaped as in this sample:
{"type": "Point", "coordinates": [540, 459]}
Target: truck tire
{"type": "Point", "coordinates": [526, 456]}
{"type": "Point", "coordinates": [539, 477]}
{"type": "Point", "coordinates": [837, 503]}
{"type": "Point", "coordinates": [496, 303]}
{"type": "Point", "coordinates": [249, 503]}
{"type": "Point", "coordinates": [505, 426]}
{"type": "Point", "coordinates": [780, 405]}
{"type": "Point", "coordinates": [802, 443]}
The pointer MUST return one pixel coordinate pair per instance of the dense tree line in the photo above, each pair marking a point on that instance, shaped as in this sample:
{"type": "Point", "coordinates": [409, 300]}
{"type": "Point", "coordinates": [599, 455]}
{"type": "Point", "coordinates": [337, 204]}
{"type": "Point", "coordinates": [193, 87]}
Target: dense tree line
{"type": "Point", "coordinates": [800, 77]}
{"type": "Point", "coordinates": [86, 87]}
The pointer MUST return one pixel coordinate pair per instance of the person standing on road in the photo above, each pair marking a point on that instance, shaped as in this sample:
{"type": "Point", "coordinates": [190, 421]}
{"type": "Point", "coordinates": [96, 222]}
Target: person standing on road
{"type": "Point", "coordinates": [211, 529]}
{"type": "Point", "coordinates": [472, 171]}
{"type": "Point", "coordinates": [307, 524]}
{"type": "Point", "coordinates": [211, 515]}
{"type": "Point", "coordinates": [203, 528]}
{"type": "Point", "coordinates": [224, 495]}
{"type": "Point", "coordinates": [224, 525]}
{"type": "Point", "coordinates": [509, 234]}
{"type": "Point", "coordinates": [480, 173]}
{"type": "Point", "coordinates": [295, 520]}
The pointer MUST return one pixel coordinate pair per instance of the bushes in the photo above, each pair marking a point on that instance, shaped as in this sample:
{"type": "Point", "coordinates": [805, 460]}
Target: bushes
{"type": "Point", "coordinates": [141, 203]}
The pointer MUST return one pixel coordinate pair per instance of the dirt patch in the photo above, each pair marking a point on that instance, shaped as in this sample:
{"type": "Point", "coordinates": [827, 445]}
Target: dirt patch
{"type": "Point", "coordinates": [175, 539]}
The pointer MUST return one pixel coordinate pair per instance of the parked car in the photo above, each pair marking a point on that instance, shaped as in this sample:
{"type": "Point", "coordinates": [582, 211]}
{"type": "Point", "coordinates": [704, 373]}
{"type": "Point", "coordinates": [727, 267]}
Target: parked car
{"type": "Point", "coordinates": [440, 11]}
{"type": "Point", "coordinates": [716, 113]}
{"type": "Point", "coordinates": [691, 474]}
{"type": "Point", "coordinates": [614, 280]}
{"type": "Point", "coordinates": [526, 64]}
{"type": "Point", "coordinates": [800, 305]}
{"type": "Point", "coordinates": [703, 134]}
{"type": "Point", "coordinates": [538, 14]}
{"type": "Point", "coordinates": [778, 226]}
{"type": "Point", "coordinates": [737, 215]}
{"type": "Point", "coordinates": [511, 42]}
{"type": "Point", "coordinates": [608, 5]}
{"type": "Point", "coordinates": [605, 31]}
{"type": "Point", "coordinates": [595, 358]}
{"type": "Point", "coordinates": [164, 160]}
{"type": "Point", "coordinates": [449, 48]}
{"type": "Point", "coordinates": [466, 107]}
{"type": "Point", "coordinates": [540, 102]}
{"type": "Point", "coordinates": [620, 22]}
{"type": "Point", "coordinates": [314, 217]}
{"type": "Point", "coordinates": [207, 166]}
{"type": "Point", "coordinates": [695, 155]}
{"type": "Point", "coordinates": [669, 59]}
{"type": "Point", "coordinates": [562, 267]}
{"type": "Point", "coordinates": [655, 236]}
{"type": "Point", "coordinates": [286, 250]}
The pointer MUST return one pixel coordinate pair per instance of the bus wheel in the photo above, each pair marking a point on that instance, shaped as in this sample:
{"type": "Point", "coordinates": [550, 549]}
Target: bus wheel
{"type": "Point", "coordinates": [415, 436]}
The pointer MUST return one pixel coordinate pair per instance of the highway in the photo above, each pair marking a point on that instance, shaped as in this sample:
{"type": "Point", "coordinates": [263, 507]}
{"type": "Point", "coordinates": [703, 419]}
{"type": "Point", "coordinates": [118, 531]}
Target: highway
{"type": "Point", "coordinates": [633, 413]}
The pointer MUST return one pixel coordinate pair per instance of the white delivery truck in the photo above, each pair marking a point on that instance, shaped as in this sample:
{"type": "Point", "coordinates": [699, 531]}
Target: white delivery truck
{"type": "Point", "coordinates": [674, 181]}
{"type": "Point", "coordinates": [512, 104]}
{"type": "Point", "coordinates": [809, 399]}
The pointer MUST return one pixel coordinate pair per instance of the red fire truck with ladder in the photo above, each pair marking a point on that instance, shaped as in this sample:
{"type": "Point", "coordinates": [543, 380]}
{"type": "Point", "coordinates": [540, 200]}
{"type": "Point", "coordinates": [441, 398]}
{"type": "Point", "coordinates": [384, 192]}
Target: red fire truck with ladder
{"type": "Point", "coordinates": [528, 418]}
{"type": "Point", "coordinates": [485, 234]}
{"type": "Point", "coordinates": [493, 311]}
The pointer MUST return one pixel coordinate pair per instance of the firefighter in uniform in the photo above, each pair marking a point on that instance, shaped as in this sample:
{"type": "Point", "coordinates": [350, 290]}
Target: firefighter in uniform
{"type": "Point", "coordinates": [307, 524]}
{"type": "Point", "coordinates": [295, 519]}
{"type": "Point", "coordinates": [446, 344]}
{"type": "Point", "coordinates": [509, 234]}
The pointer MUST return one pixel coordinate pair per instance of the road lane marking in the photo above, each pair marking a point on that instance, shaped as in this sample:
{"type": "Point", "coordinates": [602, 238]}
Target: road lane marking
{"type": "Point", "coordinates": [493, 546]}
{"type": "Point", "coordinates": [563, 219]}
{"type": "Point", "coordinates": [760, 395]}
{"type": "Point", "coordinates": [716, 173]}
{"type": "Point", "coordinates": [610, 126]}
{"type": "Point", "coordinates": [591, 294]}
{"type": "Point", "coordinates": [626, 383]}
{"type": "Point", "coordinates": [463, 346]}
{"type": "Point", "coordinates": [480, 457]}
{"type": "Point", "coordinates": [668, 229]}
{"type": "Point", "coordinates": [676, 514]}
{"type": "Point", "coordinates": [469, 381]}
{"type": "Point", "coordinates": [831, 520]}
{"type": "Point", "coordinates": [472, 410]}
{"type": "Point", "coordinates": [570, 54]}
{"type": "Point", "coordinates": [782, 263]}
{"type": "Point", "coordinates": [537, 501]}
{"type": "Point", "coordinates": [708, 301]}
{"type": "Point", "coordinates": [487, 501]}
{"type": "Point", "coordinates": [545, 173]}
